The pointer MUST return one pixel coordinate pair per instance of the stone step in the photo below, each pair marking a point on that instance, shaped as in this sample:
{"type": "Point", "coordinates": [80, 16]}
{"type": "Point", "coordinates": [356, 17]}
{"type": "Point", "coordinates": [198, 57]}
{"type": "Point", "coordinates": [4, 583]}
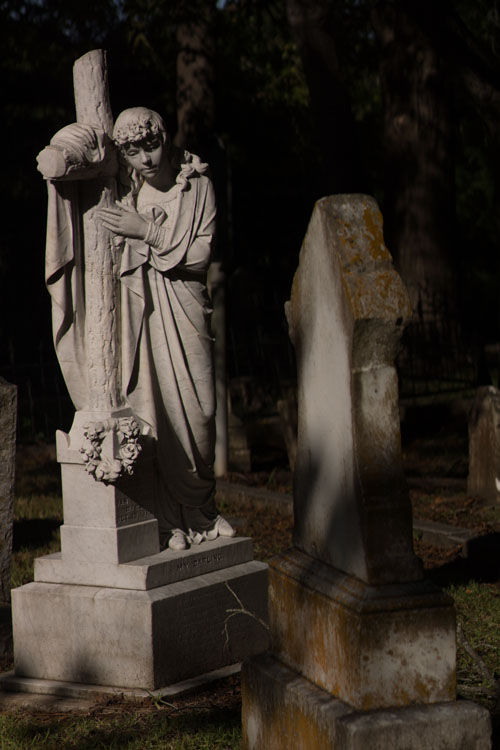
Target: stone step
{"type": "Point", "coordinates": [150, 572]}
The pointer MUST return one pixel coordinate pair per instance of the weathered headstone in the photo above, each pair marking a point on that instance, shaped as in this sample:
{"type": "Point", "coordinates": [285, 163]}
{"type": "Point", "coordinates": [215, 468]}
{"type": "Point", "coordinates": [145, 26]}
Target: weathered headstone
{"type": "Point", "coordinates": [354, 626]}
{"type": "Point", "coordinates": [8, 418]}
{"type": "Point", "coordinates": [484, 445]}
{"type": "Point", "coordinates": [287, 410]}
{"type": "Point", "coordinates": [239, 454]}
{"type": "Point", "coordinates": [111, 608]}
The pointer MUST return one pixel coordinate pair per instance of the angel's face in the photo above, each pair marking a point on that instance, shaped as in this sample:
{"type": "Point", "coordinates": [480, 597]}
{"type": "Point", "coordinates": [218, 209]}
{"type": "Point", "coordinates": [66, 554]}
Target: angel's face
{"type": "Point", "coordinates": [146, 156]}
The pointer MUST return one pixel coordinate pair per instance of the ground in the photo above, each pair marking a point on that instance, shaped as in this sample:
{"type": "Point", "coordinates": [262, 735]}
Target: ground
{"type": "Point", "coordinates": [435, 461]}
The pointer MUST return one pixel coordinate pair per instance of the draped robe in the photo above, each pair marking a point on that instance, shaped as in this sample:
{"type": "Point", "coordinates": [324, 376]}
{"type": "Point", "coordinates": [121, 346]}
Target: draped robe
{"type": "Point", "coordinates": [166, 342]}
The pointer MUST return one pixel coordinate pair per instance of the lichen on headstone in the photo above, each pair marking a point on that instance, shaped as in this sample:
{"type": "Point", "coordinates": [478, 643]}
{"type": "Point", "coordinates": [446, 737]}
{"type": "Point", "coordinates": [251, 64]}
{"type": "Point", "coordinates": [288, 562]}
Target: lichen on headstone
{"type": "Point", "coordinates": [347, 311]}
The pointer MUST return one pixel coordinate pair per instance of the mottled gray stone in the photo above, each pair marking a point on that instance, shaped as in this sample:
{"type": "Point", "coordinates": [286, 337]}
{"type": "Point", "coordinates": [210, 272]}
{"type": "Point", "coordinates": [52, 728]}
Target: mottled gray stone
{"type": "Point", "coordinates": [484, 445]}
{"type": "Point", "coordinates": [371, 646]}
{"type": "Point", "coordinates": [363, 649]}
{"type": "Point", "coordinates": [282, 710]}
{"type": "Point", "coordinates": [347, 311]}
{"type": "Point", "coordinates": [8, 415]}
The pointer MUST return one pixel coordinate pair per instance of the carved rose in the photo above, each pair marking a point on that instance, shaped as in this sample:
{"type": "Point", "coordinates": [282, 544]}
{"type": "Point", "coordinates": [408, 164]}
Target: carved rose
{"type": "Point", "coordinates": [129, 452]}
{"type": "Point", "coordinates": [105, 469]}
{"type": "Point", "coordinates": [94, 431]}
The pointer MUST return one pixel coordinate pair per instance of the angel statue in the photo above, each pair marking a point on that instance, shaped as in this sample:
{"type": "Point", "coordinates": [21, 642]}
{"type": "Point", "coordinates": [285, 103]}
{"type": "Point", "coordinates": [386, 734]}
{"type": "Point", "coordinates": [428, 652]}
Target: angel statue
{"type": "Point", "coordinates": [162, 223]}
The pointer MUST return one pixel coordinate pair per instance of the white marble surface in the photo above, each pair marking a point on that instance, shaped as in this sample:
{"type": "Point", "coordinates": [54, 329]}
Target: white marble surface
{"type": "Point", "coordinates": [138, 639]}
{"type": "Point", "coordinates": [148, 572]}
{"type": "Point", "coordinates": [110, 545]}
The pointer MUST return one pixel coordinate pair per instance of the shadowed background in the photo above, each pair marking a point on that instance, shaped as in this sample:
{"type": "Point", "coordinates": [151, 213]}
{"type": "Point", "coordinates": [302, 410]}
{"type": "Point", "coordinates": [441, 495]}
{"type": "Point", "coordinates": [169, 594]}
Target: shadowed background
{"type": "Point", "coordinates": [288, 100]}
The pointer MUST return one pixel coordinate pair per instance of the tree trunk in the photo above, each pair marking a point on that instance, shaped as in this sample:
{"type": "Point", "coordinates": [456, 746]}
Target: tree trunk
{"type": "Point", "coordinates": [419, 168]}
{"type": "Point", "coordinates": [329, 101]}
{"type": "Point", "coordinates": [195, 80]}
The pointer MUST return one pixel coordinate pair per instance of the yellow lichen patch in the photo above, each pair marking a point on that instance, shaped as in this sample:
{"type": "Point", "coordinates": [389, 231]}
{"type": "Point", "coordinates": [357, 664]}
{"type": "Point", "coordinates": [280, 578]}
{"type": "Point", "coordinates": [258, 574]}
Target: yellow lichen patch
{"type": "Point", "coordinates": [308, 733]}
{"type": "Point", "coordinates": [369, 660]}
{"type": "Point", "coordinates": [373, 223]}
{"type": "Point", "coordinates": [315, 635]}
{"type": "Point", "coordinates": [353, 260]}
{"type": "Point", "coordinates": [378, 294]}
{"type": "Point", "coordinates": [282, 723]}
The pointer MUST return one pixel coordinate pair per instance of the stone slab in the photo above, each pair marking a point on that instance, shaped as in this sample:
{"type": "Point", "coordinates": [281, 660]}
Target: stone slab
{"type": "Point", "coordinates": [282, 710]}
{"type": "Point", "coordinates": [442, 534]}
{"type": "Point", "coordinates": [484, 445]}
{"type": "Point", "coordinates": [8, 419]}
{"type": "Point", "coordinates": [139, 639]}
{"type": "Point", "coordinates": [17, 702]}
{"type": "Point", "coordinates": [9, 682]}
{"type": "Point", "coordinates": [149, 572]}
{"type": "Point", "coordinates": [371, 646]}
{"type": "Point", "coordinates": [110, 545]}
{"type": "Point", "coordinates": [346, 314]}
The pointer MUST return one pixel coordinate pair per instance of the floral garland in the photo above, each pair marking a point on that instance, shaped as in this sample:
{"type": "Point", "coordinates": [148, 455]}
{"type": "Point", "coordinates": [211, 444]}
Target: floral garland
{"type": "Point", "coordinates": [108, 470]}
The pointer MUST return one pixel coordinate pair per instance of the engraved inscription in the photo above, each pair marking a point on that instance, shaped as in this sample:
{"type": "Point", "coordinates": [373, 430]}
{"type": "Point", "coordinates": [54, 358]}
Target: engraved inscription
{"type": "Point", "coordinates": [197, 561]}
{"type": "Point", "coordinates": [129, 512]}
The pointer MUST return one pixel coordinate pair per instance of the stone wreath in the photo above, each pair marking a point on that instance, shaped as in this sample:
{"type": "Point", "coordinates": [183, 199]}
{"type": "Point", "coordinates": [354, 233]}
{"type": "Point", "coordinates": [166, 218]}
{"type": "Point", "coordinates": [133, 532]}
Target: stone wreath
{"type": "Point", "coordinates": [105, 469]}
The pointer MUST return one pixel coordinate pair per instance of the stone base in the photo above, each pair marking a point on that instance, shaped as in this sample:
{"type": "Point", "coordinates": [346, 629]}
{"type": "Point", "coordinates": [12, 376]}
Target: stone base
{"type": "Point", "coordinates": [106, 523]}
{"type": "Point", "coordinates": [10, 683]}
{"type": "Point", "coordinates": [282, 710]}
{"type": "Point", "coordinates": [166, 567]}
{"type": "Point", "coordinates": [372, 646]}
{"type": "Point", "coordinates": [138, 639]}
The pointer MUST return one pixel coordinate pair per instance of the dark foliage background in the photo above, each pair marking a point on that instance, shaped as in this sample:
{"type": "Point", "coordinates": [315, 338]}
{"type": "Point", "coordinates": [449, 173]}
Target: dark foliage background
{"type": "Point", "coordinates": [301, 99]}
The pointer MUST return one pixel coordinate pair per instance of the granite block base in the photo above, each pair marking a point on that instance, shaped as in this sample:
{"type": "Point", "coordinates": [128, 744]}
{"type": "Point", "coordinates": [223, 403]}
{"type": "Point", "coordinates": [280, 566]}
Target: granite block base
{"type": "Point", "coordinates": [139, 639]}
{"type": "Point", "coordinates": [282, 710]}
{"type": "Point", "coordinates": [168, 566]}
{"type": "Point", "coordinates": [371, 646]}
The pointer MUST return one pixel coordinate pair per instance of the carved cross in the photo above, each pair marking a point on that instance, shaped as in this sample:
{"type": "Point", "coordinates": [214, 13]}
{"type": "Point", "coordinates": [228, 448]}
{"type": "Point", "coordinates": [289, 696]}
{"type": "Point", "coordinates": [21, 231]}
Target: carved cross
{"type": "Point", "coordinates": [95, 169]}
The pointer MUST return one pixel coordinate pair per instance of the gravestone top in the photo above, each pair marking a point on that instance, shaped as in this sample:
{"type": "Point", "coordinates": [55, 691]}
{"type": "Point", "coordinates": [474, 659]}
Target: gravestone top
{"type": "Point", "coordinates": [347, 311]}
{"type": "Point", "coordinates": [374, 292]}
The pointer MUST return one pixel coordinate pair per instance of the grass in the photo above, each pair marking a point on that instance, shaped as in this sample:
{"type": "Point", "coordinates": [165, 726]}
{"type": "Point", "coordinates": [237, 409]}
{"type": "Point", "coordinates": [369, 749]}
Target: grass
{"type": "Point", "coordinates": [211, 719]}
{"type": "Point", "coordinates": [478, 654]}
{"type": "Point", "coordinates": [38, 513]}
{"type": "Point", "coordinates": [129, 728]}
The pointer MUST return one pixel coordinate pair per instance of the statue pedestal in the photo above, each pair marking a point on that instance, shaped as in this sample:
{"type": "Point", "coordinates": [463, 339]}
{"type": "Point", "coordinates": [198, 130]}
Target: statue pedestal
{"type": "Point", "coordinates": [105, 523]}
{"type": "Point", "coordinates": [135, 638]}
{"type": "Point", "coordinates": [112, 610]}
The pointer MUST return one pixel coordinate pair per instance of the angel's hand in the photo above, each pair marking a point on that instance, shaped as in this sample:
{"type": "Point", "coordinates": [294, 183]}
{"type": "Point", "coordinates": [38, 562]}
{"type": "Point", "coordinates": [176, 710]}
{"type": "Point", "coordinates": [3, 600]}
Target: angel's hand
{"type": "Point", "coordinates": [124, 221]}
